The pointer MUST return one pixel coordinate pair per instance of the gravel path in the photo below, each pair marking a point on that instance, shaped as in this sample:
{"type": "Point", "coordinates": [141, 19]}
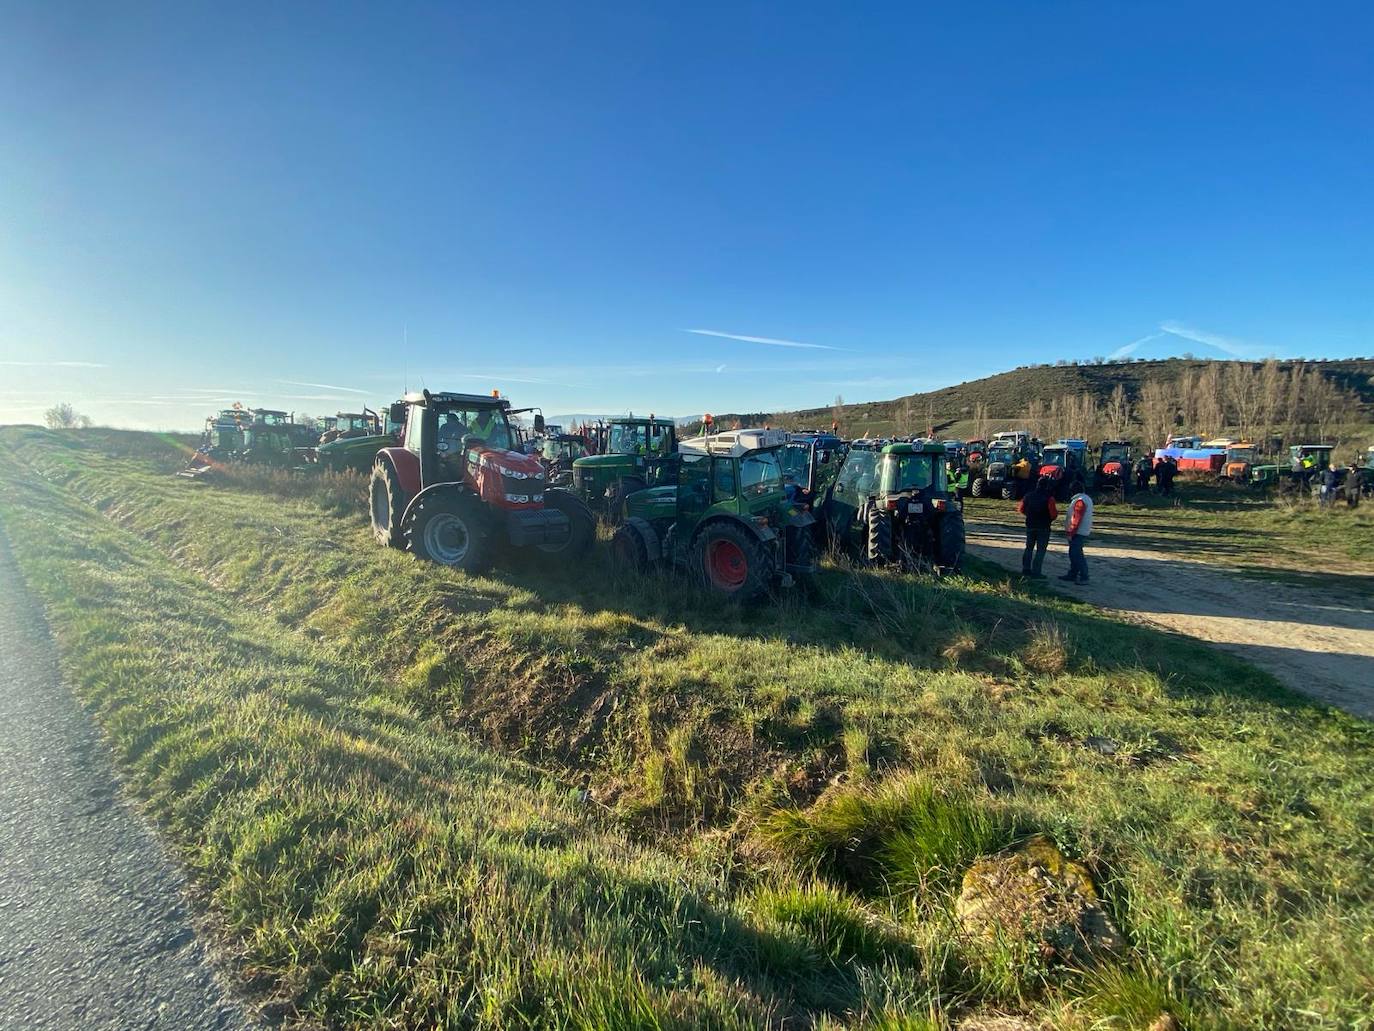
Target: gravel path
{"type": "Point", "coordinates": [1318, 643]}
{"type": "Point", "coordinates": [94, 926]}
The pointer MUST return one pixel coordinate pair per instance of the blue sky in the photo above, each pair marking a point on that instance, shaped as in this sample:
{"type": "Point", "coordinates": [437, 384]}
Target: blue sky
{"type": "Point", "coordinates": [305, 206]}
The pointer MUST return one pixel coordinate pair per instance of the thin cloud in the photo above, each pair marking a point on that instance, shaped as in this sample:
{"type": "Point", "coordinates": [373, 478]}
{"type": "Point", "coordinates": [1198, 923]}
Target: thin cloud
{"type": "Point", "coordinates": [58, 365]}
{"type": "Point", "coordinates": [771, 341]}
{"type": "Point", "coordinates": [1232, 346]}
{"type": "Point", "coordinates": [720, 368]}
{"type": "Point", "coordinates": [1125, 349]}
{"type": "Point", "coordinates": [322, 386]}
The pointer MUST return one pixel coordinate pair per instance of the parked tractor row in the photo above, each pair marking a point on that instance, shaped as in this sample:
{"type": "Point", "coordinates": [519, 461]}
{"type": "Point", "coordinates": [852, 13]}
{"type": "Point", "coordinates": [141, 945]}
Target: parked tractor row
{"type": "Point", "coordinates": [741, 511]}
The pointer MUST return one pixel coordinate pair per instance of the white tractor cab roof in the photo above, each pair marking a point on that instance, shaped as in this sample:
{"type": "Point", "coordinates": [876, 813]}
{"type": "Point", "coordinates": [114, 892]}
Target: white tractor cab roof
{"type": "Point", "coordinates": [733, 442]}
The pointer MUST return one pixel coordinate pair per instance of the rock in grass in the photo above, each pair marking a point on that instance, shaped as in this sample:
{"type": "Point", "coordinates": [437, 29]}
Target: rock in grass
{"type": "Point", "coordinates": [1034, 894]}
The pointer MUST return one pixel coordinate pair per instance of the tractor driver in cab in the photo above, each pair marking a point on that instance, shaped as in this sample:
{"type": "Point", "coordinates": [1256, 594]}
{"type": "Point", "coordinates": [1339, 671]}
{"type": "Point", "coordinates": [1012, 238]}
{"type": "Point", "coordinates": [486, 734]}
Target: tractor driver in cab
{"type": "Point", "coordinates": [488, 427]}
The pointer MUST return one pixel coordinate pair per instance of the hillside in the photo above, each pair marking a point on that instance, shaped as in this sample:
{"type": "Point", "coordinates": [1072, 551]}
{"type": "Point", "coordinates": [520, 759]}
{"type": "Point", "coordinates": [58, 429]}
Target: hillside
{"type": "Point", "coordinates": [1010, 396]}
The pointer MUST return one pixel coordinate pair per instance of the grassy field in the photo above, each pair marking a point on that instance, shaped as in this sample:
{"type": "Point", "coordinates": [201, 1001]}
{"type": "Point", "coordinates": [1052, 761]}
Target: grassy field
{"type": "Point", "coordinates": [1291, 539]}
{"type": "Point", "coordinates": [372, 768]}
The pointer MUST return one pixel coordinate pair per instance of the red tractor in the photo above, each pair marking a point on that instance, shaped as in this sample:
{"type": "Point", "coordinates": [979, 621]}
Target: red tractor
{"type": "Point", "coordinates": [455, 490]}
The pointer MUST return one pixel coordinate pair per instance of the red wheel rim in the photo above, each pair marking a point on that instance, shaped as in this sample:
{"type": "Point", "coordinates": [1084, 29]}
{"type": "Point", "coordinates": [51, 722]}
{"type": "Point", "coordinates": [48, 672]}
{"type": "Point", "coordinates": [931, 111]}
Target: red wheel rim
{"type": "Point", "coordinates": [726, 564]}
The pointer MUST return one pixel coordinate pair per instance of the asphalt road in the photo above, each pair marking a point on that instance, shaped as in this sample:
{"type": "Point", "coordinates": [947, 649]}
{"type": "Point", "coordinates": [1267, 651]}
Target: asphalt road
{"type": "Point", "coordinates": [94, 925]}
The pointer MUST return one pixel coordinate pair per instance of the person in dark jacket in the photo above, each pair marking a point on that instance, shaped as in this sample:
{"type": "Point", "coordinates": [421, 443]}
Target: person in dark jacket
{"type": "Point", "coordinates": [1039, 509]}
{"type": "Point", "coordinates": [1354, 483]}
{"type": "Point", "coordinates": [1165, 473]}
{"type": "Point", "coordinates": [1144, 466]}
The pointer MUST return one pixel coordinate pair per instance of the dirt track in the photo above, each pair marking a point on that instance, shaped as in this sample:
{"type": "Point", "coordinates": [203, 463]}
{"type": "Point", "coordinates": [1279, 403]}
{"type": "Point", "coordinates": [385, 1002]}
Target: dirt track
{"type": "Point", "coordinates": [1320, 643]}
{"type": "Point", "coordinates": [94, 928]}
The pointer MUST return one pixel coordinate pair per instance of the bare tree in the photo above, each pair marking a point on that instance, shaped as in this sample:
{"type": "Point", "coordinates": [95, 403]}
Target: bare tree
{"type": "Point", "coordinates": [1158, 410]}
{"type": "Point", "coordinates": [62, 416]}
{"type": "Point", "coordinates": [1118, 412]}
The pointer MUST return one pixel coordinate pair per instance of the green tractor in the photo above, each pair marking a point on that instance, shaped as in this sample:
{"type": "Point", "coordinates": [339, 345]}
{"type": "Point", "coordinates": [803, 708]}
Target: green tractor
{"type": "Point", "coordinates": [727, 519]}
{"type": "Point", "coordinates": [1306, 463]}
{"type": "Point", "coordinates": [810, 460]}
{"type": "Point", "coordinates": [633, 454]}
{"type": "Point", "coordinates": [893, 503]}
{"type": "Point", "coordinates": [356, 440]}
{"type": "Point", "coordinates": [298, 434]}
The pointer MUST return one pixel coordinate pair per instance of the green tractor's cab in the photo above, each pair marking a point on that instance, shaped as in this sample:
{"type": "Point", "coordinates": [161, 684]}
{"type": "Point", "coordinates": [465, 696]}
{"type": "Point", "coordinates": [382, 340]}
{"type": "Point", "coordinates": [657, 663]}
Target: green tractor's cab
{"type": "Point", "coordinates": [268, 444]}
{"type": "Point", "coordinates": [633, 454]}
{"type": "Point", "coordinates": [894, 504]}
{"type": "Point", "coordinates": [298, 433]}
{"type": "Point", "coordinates": [359, 437]}
{"type": "Point", "coordinates": [810, 461]}
{"type": "Point", "coordinates": [352, 424]}
{"type": "Point", "coordinates": [727, 519]}
{"type": "Point", "coordinates": [1305, 463]}
{"type": "Point", "coordinates": [558, 452]}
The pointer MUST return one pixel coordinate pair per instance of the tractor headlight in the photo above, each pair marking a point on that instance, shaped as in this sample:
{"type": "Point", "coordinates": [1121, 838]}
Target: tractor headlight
{"type": "Point", "coordinates": [514, 474]}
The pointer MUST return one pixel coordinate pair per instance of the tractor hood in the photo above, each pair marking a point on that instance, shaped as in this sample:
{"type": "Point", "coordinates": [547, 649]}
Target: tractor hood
{"type": "Point", "coordinates": [377, 440]}
{"type": "Point", "coordinates": [599, 461]}
{"type": "Point", "coordinates": [651, 504]}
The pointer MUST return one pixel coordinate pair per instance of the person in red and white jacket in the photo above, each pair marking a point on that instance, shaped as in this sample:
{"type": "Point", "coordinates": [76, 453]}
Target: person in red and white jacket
{"type": "Point", "coordinates": [1080, 527]}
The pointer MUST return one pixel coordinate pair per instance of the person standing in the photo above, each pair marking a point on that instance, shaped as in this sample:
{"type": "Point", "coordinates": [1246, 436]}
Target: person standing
{"type": "Point", "coordinates": [1040, 512]}
{"type": "Point", "coordinates": [1164, 474]}
{"type": "Point", "coordinates": [1079, 527]}
{"type": "Point", "coordinates": [1354, 483]}
{"type": "Point", "coordinates": [1143, 467]}
{"type": "Point", "coordinates": [1327, 491]}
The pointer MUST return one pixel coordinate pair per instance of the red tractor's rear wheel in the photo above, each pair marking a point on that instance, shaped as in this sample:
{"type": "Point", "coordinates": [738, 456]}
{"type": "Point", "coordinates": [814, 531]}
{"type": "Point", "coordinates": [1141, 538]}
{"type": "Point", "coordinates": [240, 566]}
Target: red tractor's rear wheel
{"type": "Point", "coordinates": [731, 561]}
{"type": "Point", "coordinates": [387, 505]}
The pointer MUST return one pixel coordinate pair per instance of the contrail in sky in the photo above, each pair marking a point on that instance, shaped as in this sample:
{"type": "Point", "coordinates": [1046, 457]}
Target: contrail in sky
{"type": "Point", "coordinates": [772, 341]}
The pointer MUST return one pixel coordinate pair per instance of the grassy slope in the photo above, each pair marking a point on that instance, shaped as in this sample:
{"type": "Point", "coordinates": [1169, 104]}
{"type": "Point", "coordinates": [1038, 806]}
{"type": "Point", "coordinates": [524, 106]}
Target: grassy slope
{"type": "Point", "coordinates": [1009, 394]}
{"type": "Point", "coordinates": [291, 700]}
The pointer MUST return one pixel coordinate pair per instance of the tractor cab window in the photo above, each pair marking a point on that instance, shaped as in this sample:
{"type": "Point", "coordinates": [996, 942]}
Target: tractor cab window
{"type": "Point", "coordinates": [796, 463]}
{"type": "Point", "coordinates": [1055, 458]}
{"type": "Point", "coordinates": [722, 480]}
{"type": "Point", "coordinates": [1000, 453]}
{"type": "Point", "coordinates": [487, 424]}
{"type": "Point", "coordinates": [413, 430]}
{"type": "Point", "coordinates": [628, 439]}
{"type": "Point", "coordinates": [659, 438]}
{"type": "Point", "coordinates": [760, 473]}
{"type": "Point", "coordinates": [913, 472]}
{"type": "Point", "coordinates": [859, 476]}
{"type": "Point", "coordinates": [1113, 454]}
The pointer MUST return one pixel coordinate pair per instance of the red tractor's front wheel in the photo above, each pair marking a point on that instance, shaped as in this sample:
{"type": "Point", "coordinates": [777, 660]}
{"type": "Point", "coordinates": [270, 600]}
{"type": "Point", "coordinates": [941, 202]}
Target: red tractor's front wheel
{"type": "Point", "coordinates": [449, 531]}
{"type": "Point", "coordinates": [732, 562]}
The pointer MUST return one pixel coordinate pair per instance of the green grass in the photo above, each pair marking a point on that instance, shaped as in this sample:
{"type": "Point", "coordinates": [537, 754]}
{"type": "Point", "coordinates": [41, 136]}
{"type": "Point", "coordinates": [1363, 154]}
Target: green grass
{"type": "Point", "coordinates": [370, 766]}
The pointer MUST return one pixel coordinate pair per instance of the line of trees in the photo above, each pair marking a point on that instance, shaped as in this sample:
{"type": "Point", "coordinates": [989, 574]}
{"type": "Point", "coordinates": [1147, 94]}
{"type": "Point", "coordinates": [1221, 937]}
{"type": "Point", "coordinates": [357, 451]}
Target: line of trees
{"type": "Point", "coordinates": [1263, 403]}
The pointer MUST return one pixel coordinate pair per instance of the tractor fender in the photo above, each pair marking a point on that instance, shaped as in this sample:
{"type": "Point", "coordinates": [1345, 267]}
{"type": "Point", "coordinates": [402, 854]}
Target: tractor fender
{"type": "Point", "coordinates": [406, 465]}
{"type": "Point", "coordinates": [801, 518]}
{"type": "Point", "coordinates": [438, 490]}
{"type": "Point", "coordinates": [653, 547]}
{"type": "Point", "coordinates": [766, 534]}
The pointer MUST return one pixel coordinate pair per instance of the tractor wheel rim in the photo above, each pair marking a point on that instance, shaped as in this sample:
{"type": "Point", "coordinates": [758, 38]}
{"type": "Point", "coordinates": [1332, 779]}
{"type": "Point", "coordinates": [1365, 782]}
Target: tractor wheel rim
{"type": "Point", "coordinates": [446, 539]}
{"type": "Point", "coordinates": [381, 505]}
{"type": "Point", "coordinates": [726, 564]}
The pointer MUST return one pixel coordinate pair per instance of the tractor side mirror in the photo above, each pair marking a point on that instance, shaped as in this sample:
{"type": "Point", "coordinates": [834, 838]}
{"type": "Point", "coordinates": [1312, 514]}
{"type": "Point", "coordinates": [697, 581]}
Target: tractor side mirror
{"type": "Point", "coordinates": [538, 422]}
{"type": "Point", "coordinates": [398, 413]}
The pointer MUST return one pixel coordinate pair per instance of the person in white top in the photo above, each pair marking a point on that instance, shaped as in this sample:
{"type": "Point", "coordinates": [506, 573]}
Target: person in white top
{"type": "Point", "coordinates": [1079, 528]}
